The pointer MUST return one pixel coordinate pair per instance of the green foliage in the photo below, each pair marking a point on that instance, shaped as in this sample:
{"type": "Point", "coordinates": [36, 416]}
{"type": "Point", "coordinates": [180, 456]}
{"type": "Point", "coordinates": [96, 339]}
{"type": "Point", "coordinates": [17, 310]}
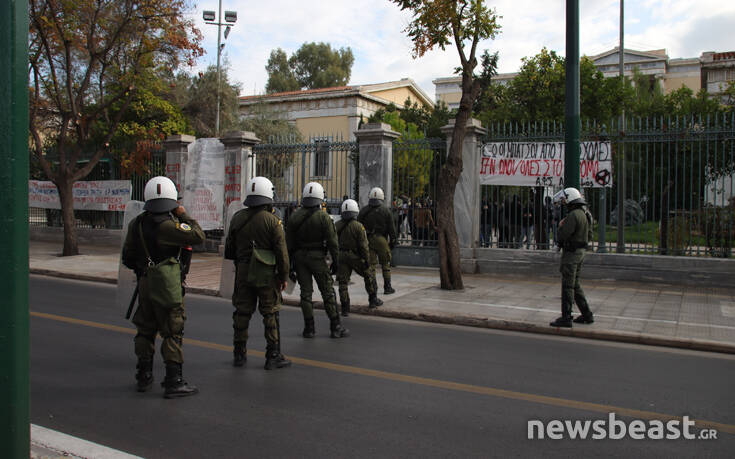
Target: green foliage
{"type": "Point", "coordinates": [198, 98]}
{"type": "Point", "coordinates": [280, 76]}
{"type": "Point", "coordinates": [313, 65]}
{"type": "Point", "coordinates": [439, 22]}
{"type": "Point", "coordinates": [429, 121]}
{"type": "Point", "coordinates": [537, 94]}
{"type": "Point", "coordinates": [412, 157]}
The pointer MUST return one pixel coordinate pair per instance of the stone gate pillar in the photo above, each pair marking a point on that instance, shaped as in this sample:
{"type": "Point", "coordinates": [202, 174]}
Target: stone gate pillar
{"type": "Point", "coordinates": [239, 163]}
{"type": "Point", "coordinates": [177, 153]}
{"type": "Point", "coordinates": [376, 160]}
{"type": "Point", "coordinates": [467, 195]}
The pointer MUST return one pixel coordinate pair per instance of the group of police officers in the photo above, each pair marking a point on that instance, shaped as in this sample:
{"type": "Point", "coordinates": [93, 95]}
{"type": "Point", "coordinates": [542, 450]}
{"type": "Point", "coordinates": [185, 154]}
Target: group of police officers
{"type": "Point", "coordinates": [266, 256]}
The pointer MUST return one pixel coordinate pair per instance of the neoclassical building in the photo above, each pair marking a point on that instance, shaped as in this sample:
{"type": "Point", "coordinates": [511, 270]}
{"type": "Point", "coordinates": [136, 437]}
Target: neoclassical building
{"type": "Point", "coordinates": [336, 111]}
{"type": "Point", "coordinates": [711, 71]}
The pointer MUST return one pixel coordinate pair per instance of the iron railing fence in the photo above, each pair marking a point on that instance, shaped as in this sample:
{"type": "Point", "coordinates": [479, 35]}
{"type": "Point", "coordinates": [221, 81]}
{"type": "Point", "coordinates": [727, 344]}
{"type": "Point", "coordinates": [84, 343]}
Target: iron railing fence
{"type": "Point", "coordinates": [328, 160]}
{"type": "Point", "coordinates": [676, 189]}
{"type": "Point", "coordinates": [416, 168]}
{"type": "Point", "coordinates": [117, 167]}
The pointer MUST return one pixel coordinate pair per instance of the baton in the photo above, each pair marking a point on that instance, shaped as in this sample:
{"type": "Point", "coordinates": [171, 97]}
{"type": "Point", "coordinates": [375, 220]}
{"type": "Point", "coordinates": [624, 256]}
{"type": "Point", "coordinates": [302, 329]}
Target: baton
{"type": "Point", "coordinates": [132, 303]}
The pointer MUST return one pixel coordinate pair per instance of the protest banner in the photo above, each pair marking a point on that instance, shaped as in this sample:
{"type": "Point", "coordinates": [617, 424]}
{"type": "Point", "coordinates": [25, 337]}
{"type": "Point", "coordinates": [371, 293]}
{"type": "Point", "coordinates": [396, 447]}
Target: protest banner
{"type": "Point", "coordinates": [110, 195]}
{"type": "Point", "coordinates": [204, 185]}
{"type": "Point", "coordinates": [542, 164]}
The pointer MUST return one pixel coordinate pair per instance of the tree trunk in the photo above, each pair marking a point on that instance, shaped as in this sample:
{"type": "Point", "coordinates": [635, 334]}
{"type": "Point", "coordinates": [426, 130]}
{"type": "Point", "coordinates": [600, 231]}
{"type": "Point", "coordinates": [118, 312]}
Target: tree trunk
{"type": "Point", "coordinates": [71, 245]}
{"type": "Point", "coordinates": [450, 273]}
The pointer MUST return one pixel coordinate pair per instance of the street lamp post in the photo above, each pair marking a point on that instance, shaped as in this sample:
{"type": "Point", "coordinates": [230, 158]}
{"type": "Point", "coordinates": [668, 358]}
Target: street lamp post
{"type": "Point", "coordinates": [230, 19]}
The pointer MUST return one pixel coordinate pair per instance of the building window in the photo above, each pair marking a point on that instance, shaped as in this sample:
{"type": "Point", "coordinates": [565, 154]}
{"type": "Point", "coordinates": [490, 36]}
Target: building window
{"type": "Point", "coordinates": [320, 159]}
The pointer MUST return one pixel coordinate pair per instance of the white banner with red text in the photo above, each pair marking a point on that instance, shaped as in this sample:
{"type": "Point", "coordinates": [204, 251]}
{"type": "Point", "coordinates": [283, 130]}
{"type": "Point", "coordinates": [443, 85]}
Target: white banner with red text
{"type": "Point", "coordinates": [542, 164]}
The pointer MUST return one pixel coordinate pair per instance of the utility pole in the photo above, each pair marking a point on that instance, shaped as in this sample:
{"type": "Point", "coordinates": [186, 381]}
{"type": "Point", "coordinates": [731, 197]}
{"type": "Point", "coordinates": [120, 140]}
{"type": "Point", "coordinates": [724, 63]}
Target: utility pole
{"type": "Point", "coordinates": [230, 19]}
{"type": "Point", "coordinates": [14, 381]}
{"type": "Point", "coordinates": [571, 105]}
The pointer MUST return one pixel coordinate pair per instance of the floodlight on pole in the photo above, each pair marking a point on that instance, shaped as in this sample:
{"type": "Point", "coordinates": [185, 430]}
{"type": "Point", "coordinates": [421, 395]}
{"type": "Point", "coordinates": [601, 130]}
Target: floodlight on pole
{"type": "Point", "coordinates": [210, 18]}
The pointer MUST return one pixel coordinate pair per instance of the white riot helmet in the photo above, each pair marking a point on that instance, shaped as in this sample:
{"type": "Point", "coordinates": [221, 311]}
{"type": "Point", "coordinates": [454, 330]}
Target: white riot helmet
{"type": "Point", "coordinates": [259, 191]}
{"type": "Point", "coordinates": [160, 195]}
{"type": "Point", "coordinates": [349, 209]}
{"type": "Point", "coordinates": [569, 196]}
{"type": "Point", "coordinates": [376, 196]}
{"type": "Point", "coordinates": [313, 195]}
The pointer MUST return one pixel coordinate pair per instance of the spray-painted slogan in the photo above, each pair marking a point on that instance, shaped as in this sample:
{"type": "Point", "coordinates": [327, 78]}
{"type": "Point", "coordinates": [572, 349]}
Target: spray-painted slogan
{"type": "Point", "coordinates": [542, 164]}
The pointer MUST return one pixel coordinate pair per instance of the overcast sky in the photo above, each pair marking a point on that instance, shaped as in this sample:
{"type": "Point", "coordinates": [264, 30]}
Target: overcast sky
{"type": "Point", "coordinates": [373, 29]}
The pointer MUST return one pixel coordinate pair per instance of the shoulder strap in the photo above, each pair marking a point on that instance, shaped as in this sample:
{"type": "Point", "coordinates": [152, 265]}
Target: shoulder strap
{"type": "Point", "coordinates": [311, 214]}
{"type": "Point", "coordinates": [339, 231]}
{"type": "Point", "coordinates": [245, 222]}
{"type": "Point", "coordinates": [145, 247]}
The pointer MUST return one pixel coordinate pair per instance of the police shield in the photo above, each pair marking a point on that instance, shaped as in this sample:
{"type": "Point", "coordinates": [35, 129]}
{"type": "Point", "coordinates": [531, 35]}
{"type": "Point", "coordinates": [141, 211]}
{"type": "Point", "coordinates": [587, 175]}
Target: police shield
{"type": "Point", "coordinates": [126, 281]}
{"type": "Point", "coordinates": [227, 278]}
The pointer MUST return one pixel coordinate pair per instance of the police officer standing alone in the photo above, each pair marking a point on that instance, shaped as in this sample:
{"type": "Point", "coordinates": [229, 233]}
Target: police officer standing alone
{"type": "Point", "coordinates": [575, 232]}
{"type": "Point", "coordinates": [153, 248]}
{"type": "Point", "coordinates": [354, 254]}
{"type": "Point", "coordinates": [310, 234]}
{"type": "Point", "coordinates": [256, 242]}
{"type": "Point", "coordinates": [378, 222]}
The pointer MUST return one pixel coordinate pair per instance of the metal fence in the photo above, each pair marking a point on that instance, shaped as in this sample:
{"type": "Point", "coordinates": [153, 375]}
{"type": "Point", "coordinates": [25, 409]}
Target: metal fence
{"type": "Point", "coordinates": [109, 168]}
{"type": "Point", "coordinates": [416, 166]}
{"type": "Point", "coordinates": [674, 176]}
{"type": "Point", "coordinates": [290, 166]}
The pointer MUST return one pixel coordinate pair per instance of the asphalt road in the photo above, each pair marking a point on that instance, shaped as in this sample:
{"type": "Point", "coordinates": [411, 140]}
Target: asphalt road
{"type": "Point", "coordinates": [393, 389]}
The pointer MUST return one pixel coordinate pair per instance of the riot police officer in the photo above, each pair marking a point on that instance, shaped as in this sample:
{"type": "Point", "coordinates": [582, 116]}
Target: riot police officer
{"type": "Point", "coordinates": [310, 235]}
{"type": "Point", "coordinates": [256, 242]}
{"type": "Point", "coordinates": [354, 255]}
{"type": "Point", "coordinates": [575, 232]}
{"type": "Point", "coordinates": [381, 233]}
{"type": "Point", "coordinates": [153, 248]}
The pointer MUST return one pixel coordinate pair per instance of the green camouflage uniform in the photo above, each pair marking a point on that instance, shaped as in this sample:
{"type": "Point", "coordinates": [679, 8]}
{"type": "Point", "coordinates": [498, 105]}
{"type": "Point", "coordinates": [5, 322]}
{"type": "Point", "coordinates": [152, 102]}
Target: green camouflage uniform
{"type": "Point", "coordinates": [354, 255]}
{"type": "Point", "coordinates": [381, 233]}
{"type": "Point", "coordinates": [310, 234]}
{"type": "Point", "coordinates": [256, 226]}
{"type": "Point", "coordinates": [575, 231]}
{"type": "Point", "coordinates": [165, 236]}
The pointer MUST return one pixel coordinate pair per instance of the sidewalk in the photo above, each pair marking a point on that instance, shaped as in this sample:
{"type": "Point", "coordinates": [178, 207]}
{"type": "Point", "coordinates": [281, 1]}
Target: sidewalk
{"type": "Point", "coordinates": [645, 313]}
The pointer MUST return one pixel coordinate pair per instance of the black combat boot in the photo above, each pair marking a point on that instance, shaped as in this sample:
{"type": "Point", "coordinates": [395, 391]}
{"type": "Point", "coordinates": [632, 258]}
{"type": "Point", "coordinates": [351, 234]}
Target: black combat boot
{"type": "Point", "coordinates": [336, 329]}
{"type": "Point", "coordinates": [374, 302]}
{"type": "Point", "coordinates": [239, 356]}
{"type": "Point", "coordinates": [174, 384]}
{"type": "Point", "coordinates": [563, 321]}
{"type": "Point", "coordinates": [387, 289]}
{"type": "Point", "coordinates": [144, 376]}
{"type": "Point", "coordinates": [274, 359]}
{"type": "Point", "coordinates": [309, 330]}
{"type": "Point", "coordinates": [584, 319]}
{"type": "Point", "coordinates": [345, 308]}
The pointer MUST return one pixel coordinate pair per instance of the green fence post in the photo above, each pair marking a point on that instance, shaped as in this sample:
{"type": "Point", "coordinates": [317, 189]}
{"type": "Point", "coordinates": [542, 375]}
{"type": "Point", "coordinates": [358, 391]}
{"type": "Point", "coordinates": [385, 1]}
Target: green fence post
{"type": "Point", "coordinates": [571, 111]}
{"type": "Point", "coordinates": [14, 386]}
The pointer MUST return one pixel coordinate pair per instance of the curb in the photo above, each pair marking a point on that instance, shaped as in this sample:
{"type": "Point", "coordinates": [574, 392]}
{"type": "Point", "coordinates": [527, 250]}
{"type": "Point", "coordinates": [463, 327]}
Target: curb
{"type": "Point", "coordinates": [469, 321]}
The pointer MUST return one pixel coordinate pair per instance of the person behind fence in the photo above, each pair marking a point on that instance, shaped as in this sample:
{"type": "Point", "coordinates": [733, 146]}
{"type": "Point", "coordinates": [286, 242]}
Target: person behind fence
{"type": "Point", "coordinates": [575, 232]}
{"type": "Point", "coordinates": [310, 234]}
{"type": "Point", "coordinates": [381, 234]}
{"type": "Point", "coordinates": [424, 224]}
{"type": "Point", "coordinates": [257, 244]}
{"type": "Point", "coordinates": [354, 255]}
{"type": "Point", "coordinates": [153, 248]}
